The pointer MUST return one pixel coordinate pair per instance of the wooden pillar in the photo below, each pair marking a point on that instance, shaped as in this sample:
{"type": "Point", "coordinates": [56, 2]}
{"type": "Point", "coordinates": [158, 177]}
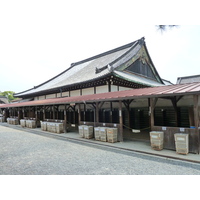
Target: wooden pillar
{"type": "Point", "coordinates": [79, 113]}
{"type": "Point", "coordinates": [23, 115]}
{"type": "Point", "coordinates": [57, 113]}
{"type": "Point", "coordinates": [84, 112]}
{"type": "Point", "coordinates": [74, 114]}
{"type": "Point", "coordinates": [120, 136]}
{"type": "Point", "coordinates": [196, 121]}
{"type": "Point", "coordinates": [4, 115]}
{"type": "Point", "coordinates": [36, 115]}
{"type": "Point", "coordinates": [111, 109]}
{"type": "Point", "coordinates": [149, 106]}
{"type": "Point", "coordinates": [53, 112]}
{"type": "Point", "coordinates": [18, 115]}
{"type": "Point", "coordinates": [196, 116]}
{"type": "Point", "coordinates": [65, 120]}
{"type": "Point", "coordinates": [44, 117]}
{"type": "Point", "coordinates": [127, 106]}
{"type": "Point", "coordinates": [153, 102]}
{"type": "Point", "coordinates": [174, 103]}
{"type": "Point", "coordinates": [97, 113]}
{"type": "Point", "coordinates": [29, 112]}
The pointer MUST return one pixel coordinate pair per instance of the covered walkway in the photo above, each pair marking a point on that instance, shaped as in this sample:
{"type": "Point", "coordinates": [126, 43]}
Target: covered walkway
{"type": "Point", "coordinates": [183, 115]}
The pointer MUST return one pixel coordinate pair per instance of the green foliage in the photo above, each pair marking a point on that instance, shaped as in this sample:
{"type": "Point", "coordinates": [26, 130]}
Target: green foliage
{"type": "Point", "coordinates": [8, 94]}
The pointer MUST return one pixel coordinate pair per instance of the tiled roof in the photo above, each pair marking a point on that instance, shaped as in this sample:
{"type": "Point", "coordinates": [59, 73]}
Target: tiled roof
{"type": "Point", "coordinates": [93, 68]}
{"type": "Point", "coordinates": [160, 91]}
{"type": "Point", "coordinates": [137, 79]}
{"type": "Point", "coordinates": [188, 79]}
{"type": "Point", "coordinates": [3, 99]}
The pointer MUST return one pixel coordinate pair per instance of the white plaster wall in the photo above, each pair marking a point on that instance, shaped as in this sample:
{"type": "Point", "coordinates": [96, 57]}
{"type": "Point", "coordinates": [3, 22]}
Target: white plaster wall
{"type": "Point", "coordinates": [64, 94]}
{"type": "Point", "coordinates": [102, 89]}
{"type": "Point", "coordinates": [41, 97]}
{"type": "Point", "coordinates": [88, 91]}
{"type": "Point", "coordinates": [50, 96]}
{"type": "Point", "coordinates": [123, 88]}
{"type": "Point", "coordinates": [74, 93]}
{"type": "Point", "coordinates": [114, 88]}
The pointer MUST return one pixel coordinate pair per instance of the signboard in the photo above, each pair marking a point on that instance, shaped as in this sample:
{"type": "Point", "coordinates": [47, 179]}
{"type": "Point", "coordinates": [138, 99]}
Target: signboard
{"type": "Point", "coordinates": [182, 129]}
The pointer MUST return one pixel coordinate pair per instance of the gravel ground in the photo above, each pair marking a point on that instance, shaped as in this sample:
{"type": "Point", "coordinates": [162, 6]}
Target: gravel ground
{"type": "Point", "coordinates": [25, 153]}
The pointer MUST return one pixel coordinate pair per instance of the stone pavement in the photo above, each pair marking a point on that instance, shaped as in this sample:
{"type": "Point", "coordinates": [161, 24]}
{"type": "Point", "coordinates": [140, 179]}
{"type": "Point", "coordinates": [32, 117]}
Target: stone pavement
{"type": "Point", "coordinates": [34, 152]}
{"type": "Point", "coordinates": [136, 146]}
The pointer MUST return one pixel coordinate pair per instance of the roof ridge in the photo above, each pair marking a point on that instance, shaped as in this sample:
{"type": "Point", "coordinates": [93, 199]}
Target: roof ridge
{"type": "Point", "coordinates": [140, 41]}
{"type": "Point", "coordinates": [132, 47]}
{"type": "Point", "coordinates": [107, 52]}
{"type": "Point", "coordinates": [189, 76]}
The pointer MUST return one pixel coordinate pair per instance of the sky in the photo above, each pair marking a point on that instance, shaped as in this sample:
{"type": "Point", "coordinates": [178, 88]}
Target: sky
{"type": "Point", "coordinates": [40, 39]}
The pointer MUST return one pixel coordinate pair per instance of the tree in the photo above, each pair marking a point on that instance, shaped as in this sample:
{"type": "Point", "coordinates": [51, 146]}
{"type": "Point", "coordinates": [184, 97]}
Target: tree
{"type": "Point", "coordinates": [8, 94]}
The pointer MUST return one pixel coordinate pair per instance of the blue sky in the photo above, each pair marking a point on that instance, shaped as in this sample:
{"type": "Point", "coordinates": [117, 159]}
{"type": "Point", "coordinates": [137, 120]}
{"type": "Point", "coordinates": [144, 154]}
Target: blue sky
{"type": "Point", "coordinates": [40, 39]}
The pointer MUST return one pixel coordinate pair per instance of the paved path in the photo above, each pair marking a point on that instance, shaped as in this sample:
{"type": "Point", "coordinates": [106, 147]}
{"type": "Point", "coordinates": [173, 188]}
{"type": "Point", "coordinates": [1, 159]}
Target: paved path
{"type": "Point", "coordinates": [24, 152]}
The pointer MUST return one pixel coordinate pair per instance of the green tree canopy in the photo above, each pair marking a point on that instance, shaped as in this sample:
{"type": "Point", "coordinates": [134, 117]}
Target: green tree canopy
{"type": "Point", "coordinates": [8, 94]}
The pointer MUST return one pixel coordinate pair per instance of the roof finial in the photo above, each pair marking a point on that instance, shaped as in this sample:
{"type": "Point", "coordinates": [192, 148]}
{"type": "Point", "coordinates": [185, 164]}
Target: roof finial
{"type": "Point", "coordinates": [110, 68]}
{"type": "Point", "coordinates": [141, 41]}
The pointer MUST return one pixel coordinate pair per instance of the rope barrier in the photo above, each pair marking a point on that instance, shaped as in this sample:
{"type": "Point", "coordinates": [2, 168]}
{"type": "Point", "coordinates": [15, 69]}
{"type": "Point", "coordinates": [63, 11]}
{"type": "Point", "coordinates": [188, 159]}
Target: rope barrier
{"type": "Point", "coordinates": [137, 129]}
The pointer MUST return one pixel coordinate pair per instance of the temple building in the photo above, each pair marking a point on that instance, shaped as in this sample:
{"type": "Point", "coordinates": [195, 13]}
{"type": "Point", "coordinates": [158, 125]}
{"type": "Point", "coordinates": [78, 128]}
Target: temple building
{"type": "Point", "coordinates": [119, 88]}
{"type": "Point", "coordinates": [3, 100]}
{"type": "Point", "coordinates": [125, 67]}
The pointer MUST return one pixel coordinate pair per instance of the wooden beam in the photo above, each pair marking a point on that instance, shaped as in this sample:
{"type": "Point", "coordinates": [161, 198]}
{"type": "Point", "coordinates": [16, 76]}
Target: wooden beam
{"type": "Point", "coordinates": [178, 98]}
{"type": "Point", "coordinates": [101, 104]}
{"type": "Point", "coordinates": [127, 105]}
{"type": "Point", "coordinates": [153, 102]}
